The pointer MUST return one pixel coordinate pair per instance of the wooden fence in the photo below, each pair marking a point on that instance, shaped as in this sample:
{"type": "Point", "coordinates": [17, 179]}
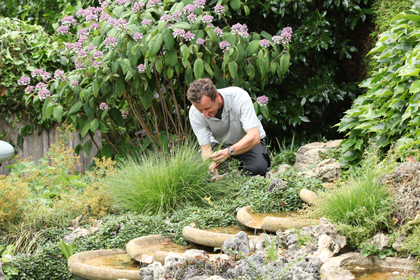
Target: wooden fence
{"type": "Point", "coordinates": [36, 146]}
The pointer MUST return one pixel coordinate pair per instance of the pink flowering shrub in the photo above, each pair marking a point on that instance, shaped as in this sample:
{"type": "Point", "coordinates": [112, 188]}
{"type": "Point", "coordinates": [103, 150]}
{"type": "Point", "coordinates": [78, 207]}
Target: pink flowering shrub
{"type": "Point", "coordinates": [132, 61]}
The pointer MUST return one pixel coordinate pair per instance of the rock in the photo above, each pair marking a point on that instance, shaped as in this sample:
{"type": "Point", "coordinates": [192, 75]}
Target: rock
{"type": "Point", "coordinates": [307, 196]}
{"type": "Point", "coordinates": [308, 155]}
{"type": "Point", "coordinates": [283, 168]}
{"type": "Point", "coordinates": [194, 253]}
{"type": "Point", "coordinates": [328, 170]}
{"type": "Point", "coordinates": [239, 244]}
{"type": "Point", "coordinates": [172, 259]}
{"type": "Point", "coordinates": [327, 247]}
{"type": "Point", "coordinates": [380, 240]}
{"type": "Point", "coordinates": [277, 185]}
{"type": "Point", "coordinates": [257, 244]}
{"type": "Point", "coordinates": [154, 271]}
{"type": "Point", "coordinates": [215, 277]}
{"type": "Point", "coordinates": [399, 243]}
{"type": "Point", "coordinates": [404, 184]}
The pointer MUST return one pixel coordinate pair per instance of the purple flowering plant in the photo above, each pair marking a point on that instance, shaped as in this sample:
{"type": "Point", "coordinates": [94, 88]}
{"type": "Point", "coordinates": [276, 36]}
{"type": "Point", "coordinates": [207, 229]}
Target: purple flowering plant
{"type": "Point", "coordinates": [134, 51]}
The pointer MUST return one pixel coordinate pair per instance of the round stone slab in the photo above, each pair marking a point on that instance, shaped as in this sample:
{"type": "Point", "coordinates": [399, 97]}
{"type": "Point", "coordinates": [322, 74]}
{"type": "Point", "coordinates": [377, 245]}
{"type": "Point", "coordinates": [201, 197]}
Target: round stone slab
{"type": "Point", "coordinates": [248, 218]}
{"type": "Point", "coordinates": [90, 265]}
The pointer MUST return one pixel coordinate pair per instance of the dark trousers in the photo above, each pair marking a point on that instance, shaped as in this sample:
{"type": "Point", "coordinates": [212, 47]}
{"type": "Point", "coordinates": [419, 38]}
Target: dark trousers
{"type": "Point", "coordinates": [254, 162]}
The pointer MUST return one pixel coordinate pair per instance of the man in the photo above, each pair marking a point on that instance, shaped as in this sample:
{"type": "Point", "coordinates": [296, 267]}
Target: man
{"type": "Point", "coordinates": [226, 117]}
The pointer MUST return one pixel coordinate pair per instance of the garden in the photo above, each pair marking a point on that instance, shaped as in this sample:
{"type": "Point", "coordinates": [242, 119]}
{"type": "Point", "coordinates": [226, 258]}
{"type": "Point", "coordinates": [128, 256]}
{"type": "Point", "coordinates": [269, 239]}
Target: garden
{"type": "Point", "coordinates": [315, 70]}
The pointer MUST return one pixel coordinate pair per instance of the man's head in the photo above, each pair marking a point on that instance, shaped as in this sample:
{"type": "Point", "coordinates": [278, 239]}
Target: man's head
{"type": "Point", "coordinates": [204, 96]}
{"type": "Point", "coordinates": [201, 87]}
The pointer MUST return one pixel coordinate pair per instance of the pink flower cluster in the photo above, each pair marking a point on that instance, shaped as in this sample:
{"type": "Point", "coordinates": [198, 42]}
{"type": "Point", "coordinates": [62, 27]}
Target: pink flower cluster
{"type": "Point", "coordinates": [264, 43]}
{"type": "Point", "coordinates": [189, 36]}
{"type": "Point", "coordinates": [137, 6]}
{"type": "Point", "coordinates": [68, 20]}
{"type": "Point", "coordinates": [154, 2]}
{"type": "Point", "coordinates": [111, 41]}
{"type": "Point", "coordinates": [74, 47]}
{"type": "Point", "coordinates": [200, 41]}
{"type": "Point", "coordinates": [285, 36]}
{"type": "Point", "coordinates": [141, 68]}
{"type": "Point", "coordinates": [103, 106]}
{"type": "Point", "coordinates": [188, 9]}
{"type": "Point", "coordinates": [58, 74]}
{"type": "Point", "coordinates": [200, 3]}
{"type": "Point", "coordinates": [262, 100]}
{"type": "Point", "coordinates": [64, 29]}
{"type": "Point", "coordinates": [224, 45]}
{"type": "Point", "coordinates": [218, 31]}
{"type": "Point", "coordinates": [241, 29]}
{"type": "Point", "coordinates": [37, 72]}
{"type": "Point", "coordinates": [207, 19]}
{"type": "Point", "coordinates": [44, 93]}
{"type": "Point", "coordinates": [125, 114]}
{"type": "Point", "coordinates": [219, 9]}
{"type": "Point", "coordinates": [138, 36]}
{"type": "Point", "coordinates": [179, 32]}
{"type": "Point", "coordinates": [24, 81]}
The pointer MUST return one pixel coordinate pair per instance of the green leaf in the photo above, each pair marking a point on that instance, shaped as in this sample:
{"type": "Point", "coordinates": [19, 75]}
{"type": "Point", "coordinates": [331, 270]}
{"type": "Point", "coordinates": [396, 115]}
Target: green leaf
{"type": "Point", "coordinates": [235, 4]}
{"type": "Point", "coordinates": [85, 128]}
{"type": "Point", "coordinates": [304, 119]}
{"type": "Point", "coordinates": [120, 86]}
{"type": "Point", "coordinates": [75, 108]}
{"type": "Point", "coordinates": [252, 48]}
{"type": "Point", "coordinates": [67, 249]}
{"type": "Point", "coordinates": [246, 10]}
{"type": "Point", "coordinates": [264, 112]}
{"type": "Point", "coordinates": [27, 130]}
{"type": "Point", "coordinates": [233, 69]}
{"type": "Point", "coordinates": [171, 58]}
{"type": "Point", "coordinates": [155, 44]}
{"type": "Point", "coordinates": [256, 108]}
{"type": "Point", "coordinates": [284, 63]}
{"type": "Point", "coordinates": [415, 87]}
{"type": "Point", "coordinates": [168, 39]}
{"type": "Point", "coordinates": [116, 116]}
{"type": "Point", "coordinates": [58, 113]}
{"type": "Point", "coordinates": [182, 24]}
{"type": "Point", "coordinates": [87, 146]}
{"type": "Point", "coordinates": [49, 110]}
{"type": "Point", "coordinates": [250, 69]}
{"type": "Point", "coordinates": [94, 125]}
{"type": "Point", "coordinates": [19, 141]}
{"type": "Point", "coordinates": [125, 65]}
{"type": "Point", "coordinates": [198, 68]}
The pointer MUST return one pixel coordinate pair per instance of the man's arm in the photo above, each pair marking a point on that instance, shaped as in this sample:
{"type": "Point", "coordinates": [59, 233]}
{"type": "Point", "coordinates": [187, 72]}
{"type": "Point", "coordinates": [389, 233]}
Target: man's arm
{"type": "Point", "coordinates": [249, 141]}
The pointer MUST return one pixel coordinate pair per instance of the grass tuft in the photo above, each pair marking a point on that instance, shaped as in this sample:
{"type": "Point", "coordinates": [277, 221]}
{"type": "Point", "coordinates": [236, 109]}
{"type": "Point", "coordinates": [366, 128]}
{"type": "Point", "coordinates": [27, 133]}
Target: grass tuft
{"type": "Point", "coordinates": [153, 183]}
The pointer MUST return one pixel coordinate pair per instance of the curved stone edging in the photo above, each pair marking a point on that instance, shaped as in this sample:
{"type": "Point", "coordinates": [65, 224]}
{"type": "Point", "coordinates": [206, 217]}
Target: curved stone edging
{"type": "Point", "coordinates": [135, 251]}
{"type": "Point", "coordinates": [80, 269]}
{"type": "Point", "coordinates": [272, 224]}
{"type": "Point", "coordinates": [207, 238]}
{"type": "Point", "coordinates": [335, 268]}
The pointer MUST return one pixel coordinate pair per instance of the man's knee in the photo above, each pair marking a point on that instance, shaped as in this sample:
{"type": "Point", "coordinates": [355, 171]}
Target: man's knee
{"type": "Point", "coordinates": [255, 170]}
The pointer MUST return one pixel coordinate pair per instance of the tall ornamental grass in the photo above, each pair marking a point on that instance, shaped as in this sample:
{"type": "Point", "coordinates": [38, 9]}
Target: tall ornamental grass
{"type": "Point", "coordinates": [154, 183]}
{"type": "Point", "coordinates": [363, 206]}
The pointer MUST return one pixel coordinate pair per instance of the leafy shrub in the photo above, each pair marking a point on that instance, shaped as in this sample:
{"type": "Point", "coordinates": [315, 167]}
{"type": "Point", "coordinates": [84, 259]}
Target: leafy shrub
{"type": "Point", "coordinates": [388, 113]}
{"type": "Point", "coordinates": [41, 12]}
{"type": "Point", "coordinates": [24, 48]}
{"type": "Point", "coordinates": [385, 10]}
{"type": "Point", "coordinates": [132, 69]}
{"type": "Point", "coordinates": [286, 154]}
{"type": "Point", "coordinates": [158, 183]}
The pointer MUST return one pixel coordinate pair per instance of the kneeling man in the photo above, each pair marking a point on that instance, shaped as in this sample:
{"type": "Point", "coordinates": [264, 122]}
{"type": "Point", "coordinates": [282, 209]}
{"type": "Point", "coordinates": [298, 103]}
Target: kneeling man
{"type": "Point", "coordinates": [226, 117]}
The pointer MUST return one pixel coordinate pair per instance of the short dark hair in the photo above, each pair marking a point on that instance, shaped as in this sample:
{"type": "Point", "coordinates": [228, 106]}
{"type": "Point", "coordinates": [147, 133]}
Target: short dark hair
{"type": "Point", "coordinates": [201, 87]}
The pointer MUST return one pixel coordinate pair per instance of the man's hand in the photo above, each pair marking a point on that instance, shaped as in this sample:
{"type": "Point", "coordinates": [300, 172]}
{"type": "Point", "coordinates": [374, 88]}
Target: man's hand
{"type": "Point", "coordinates": [220, 156]}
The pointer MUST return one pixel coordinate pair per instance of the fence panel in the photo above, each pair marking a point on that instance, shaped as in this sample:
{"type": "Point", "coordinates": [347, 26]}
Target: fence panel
{"type": "Point", "coordinates": [36, 146]}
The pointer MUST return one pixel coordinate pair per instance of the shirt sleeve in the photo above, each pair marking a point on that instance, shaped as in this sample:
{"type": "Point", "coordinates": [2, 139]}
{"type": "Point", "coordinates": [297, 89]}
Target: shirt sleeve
{"type": "Point", "coordinates": [200, 127]}
{"type": "Point", "coordinates": [246, 112]}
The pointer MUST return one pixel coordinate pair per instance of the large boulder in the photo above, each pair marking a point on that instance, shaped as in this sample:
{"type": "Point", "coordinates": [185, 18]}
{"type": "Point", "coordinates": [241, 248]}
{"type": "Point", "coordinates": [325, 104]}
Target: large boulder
{"type": "Point", "coordinates": [239, 244]}
{"type": "Point", "coordinates": [2, 276]}
{"type": "Point", "coordinates": [404, 182]}
{"type": "Point", "coordinates": [307, 157]}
